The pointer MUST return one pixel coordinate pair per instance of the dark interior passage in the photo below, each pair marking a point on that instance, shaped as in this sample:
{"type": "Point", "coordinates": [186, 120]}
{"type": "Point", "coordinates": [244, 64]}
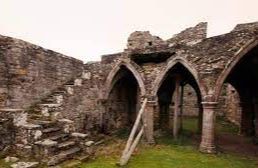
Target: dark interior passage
{"type": "Point", "coordinates": [244, 78]}
{"type": "Point", "coordinates": [167, 97]}
{"type": "Point", "coordinates": [123, 99]}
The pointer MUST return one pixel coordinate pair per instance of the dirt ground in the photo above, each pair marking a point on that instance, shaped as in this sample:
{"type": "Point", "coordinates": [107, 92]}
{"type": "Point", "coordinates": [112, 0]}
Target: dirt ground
{"type": "Point", "coordinates": [238, 144]}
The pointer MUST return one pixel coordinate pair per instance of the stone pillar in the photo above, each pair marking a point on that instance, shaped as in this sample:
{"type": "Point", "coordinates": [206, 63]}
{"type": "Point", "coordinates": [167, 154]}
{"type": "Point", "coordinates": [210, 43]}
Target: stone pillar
{"type": "Point", "coordinates": [177, 107]}
{"type": "Point", "coordinates": [208, 127]}
{"type": "Point", "coordinates": [148, 119]}
{"type": "Point", "coordinates": [246, 118]}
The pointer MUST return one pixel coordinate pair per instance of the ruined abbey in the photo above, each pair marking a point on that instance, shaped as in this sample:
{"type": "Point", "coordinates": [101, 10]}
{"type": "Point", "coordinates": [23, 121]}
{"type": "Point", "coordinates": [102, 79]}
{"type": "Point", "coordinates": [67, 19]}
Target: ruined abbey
{"type": "Point", "coordinates": [52, 106]}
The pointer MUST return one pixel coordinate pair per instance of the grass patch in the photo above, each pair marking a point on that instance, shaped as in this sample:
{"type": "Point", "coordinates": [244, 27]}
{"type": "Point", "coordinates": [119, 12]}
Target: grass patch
{"type": "Point", "coordinates": [180, 153]}
{"type": "Point", "coordinates": [170, 155]}
{"type": "Point", "coordinates": [224, 126]}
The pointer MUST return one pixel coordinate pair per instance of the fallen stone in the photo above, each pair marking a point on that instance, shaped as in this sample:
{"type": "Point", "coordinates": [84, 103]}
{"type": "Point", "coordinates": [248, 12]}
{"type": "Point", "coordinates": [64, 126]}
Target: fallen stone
{"type": "Point", "coordinates": [99, 142]}
{"type": "Point", "coordinates": [9, 159]}
{"type": "Point", "coordinates": [83, 158]}
{"type": "Point", "coordinates": [64, 120]}
{"type": "Point", "coordinates": [25, 165]}
{"type": "Point", "coordinates": [89, 143]}
{"type": "Point", "coordinates": [37, 134]}
{"type": "Point", "coordinates": [79, 135]}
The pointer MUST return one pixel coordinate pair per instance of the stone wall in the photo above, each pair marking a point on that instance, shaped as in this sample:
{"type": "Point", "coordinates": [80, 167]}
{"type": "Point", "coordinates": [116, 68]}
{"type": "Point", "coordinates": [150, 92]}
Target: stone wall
{"type": "Point", "coordinates": [232, 104]}
{"type": "Point", "coordinates": [190, 103]}
{"type": "Point", "coordinates": [4, 75]}
{"type": "Point", "coordinates": [7, 132]}
{"type": "Point", "coordinates": [29, 72]}
{"type": "Point", "coordinates": [84, 105]}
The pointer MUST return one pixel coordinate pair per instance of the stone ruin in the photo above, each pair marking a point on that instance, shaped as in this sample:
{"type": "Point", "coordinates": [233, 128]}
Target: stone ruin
{"type": "Point", "coordinates": [53, 107]}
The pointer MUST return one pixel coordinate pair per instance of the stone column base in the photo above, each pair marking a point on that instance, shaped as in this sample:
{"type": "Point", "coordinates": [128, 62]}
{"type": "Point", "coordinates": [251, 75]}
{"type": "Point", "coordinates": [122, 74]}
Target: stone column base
{"type": "Point", "coordinates": [207, 148]}
{"type": "Point", "coordinates": [151, 141]}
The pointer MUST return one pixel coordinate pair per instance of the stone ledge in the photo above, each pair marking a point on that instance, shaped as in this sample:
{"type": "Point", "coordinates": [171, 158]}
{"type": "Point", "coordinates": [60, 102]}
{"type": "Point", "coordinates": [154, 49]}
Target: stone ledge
{"type": "Point", "coordinates": [11, 110]}
{"type": "Point", "coordinates": [30, 126]}
{"type": "Point", "coordinates": [47, 143]}
{"type": "Point", "coordinates": [79, 135]}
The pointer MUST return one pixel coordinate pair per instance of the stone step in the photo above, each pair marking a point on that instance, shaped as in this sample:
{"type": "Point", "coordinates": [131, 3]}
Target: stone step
{"type": "Point", "coordinates": [35, 110]}
{"type": "Point", "coordinates": [66, 144]}
{"type": "Point", "coordinates": [83, 158]}
{"type": "Point", "coordinates": [51, 129]}
{"type": "Point", "coordinates": [44, 123]}
{"type": "Point", "coordinates": [69, 85]}
{"type": "Point", "coordinates": [59, 138]}
{"type": "Point", "coordinates": [46, 143]}
{"type": "Point", "coordinates": [57, 93]}
{"type": "Point", "coordinates": [71, 82]}
{"type": "Point", "coordinates": [50, 105]}
{"type": "Point", "coordinates": [60, 92]}
{"type": "Point", "coordinates": [39, 117]}
{"type": "Point", "coordinates": [49, 100]}
{"type": "Point", "coordinates": [63, 155]}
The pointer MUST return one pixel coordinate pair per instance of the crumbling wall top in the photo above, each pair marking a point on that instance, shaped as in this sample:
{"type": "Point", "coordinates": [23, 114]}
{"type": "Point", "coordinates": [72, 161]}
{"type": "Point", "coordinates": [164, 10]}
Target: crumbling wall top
{"type": "Point", "coordinates": [190, 36]}
{"type": "Point", "coordinates": [141, 40]}
{"type": "Point", "coordinates": [246, 26]}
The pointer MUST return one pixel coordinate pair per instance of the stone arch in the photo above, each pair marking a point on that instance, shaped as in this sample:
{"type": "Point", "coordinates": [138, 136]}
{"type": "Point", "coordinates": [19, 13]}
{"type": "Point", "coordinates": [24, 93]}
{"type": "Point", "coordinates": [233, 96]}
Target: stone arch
{"type": "Point", "coordinates": [170, 65]}
{"type": "Point", "coordinates": [109, 81]}
{"type": "Point", "coordinates": [224, 74]}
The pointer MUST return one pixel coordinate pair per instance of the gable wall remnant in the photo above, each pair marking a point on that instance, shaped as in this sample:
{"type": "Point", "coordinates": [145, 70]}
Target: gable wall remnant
{"type": "Point", "coordinates": [28, 72]}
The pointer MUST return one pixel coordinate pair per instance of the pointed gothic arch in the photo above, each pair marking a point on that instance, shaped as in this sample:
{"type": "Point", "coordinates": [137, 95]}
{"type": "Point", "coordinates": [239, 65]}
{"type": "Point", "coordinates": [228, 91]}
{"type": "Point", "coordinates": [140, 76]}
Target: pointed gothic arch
{"type": "Point", "coordinates": [185, 64]}
{"type": "Point", "coordinates": [111, 76]}
{"type": "Point", "coordinates": [237, 58]}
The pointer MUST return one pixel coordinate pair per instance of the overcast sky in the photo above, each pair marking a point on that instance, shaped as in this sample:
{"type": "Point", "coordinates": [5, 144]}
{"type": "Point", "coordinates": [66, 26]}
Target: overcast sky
{"type": "Point", "coordinates": [87, 29]}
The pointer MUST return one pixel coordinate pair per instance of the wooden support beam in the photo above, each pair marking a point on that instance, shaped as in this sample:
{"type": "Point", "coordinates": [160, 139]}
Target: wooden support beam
{"type": "Point", "coordinates": [125, 158]}
{"type": "Point", "coordinates": [135, 126]}
{"type": "Point", "coordinates": [131, 142]}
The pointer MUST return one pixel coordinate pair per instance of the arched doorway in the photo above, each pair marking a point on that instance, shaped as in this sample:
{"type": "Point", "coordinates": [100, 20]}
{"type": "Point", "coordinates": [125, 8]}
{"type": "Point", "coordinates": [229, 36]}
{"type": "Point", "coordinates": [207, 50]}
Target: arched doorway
{"type": "Point", "coordinates": [123, 100]}
{"type": "Point", "coordinates": [243, 76]}
{"type": "Point", "coordinates": [179, 99]}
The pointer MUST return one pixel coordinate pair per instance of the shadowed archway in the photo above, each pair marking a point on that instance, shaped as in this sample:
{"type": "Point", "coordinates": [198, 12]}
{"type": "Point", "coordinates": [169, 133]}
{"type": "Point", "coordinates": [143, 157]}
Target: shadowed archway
{"type": "Point", "coordinates": [177, 84]}
{"type": "Point", "coordinates": [242, 74]}
{"type": "Point", "coordinates": [123, 97]}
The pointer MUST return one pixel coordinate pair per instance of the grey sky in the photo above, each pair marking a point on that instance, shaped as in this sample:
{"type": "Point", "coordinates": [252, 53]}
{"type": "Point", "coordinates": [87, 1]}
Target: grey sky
{"type": "Point", "coordinates": [88, 29]}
